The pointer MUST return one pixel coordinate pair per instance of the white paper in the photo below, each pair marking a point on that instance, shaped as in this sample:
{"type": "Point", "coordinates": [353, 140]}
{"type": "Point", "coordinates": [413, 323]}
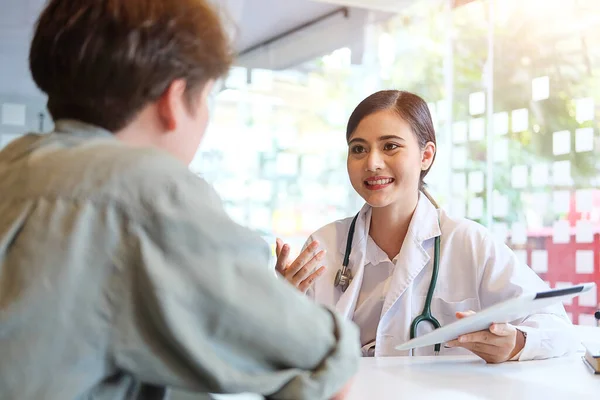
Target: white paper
{"type": "Point", "coordinates": [568, 302]}
{"type": "Point", "coordinates": [476, 182]}
{"type": "Point", "coordinates": [521, 256]}
{"type": "Point", "coordinates": [477, 129]}
{"type": "Point", "coordinates": [584, 261]}
{"type": "Point", "coordinates": [561, 173]}
{"type": "Point", "coordinates": [561, 143]}
{"type": "Point", "coordinates": [459, 157]}
{"type": "Point", "coordinates": [499, 205]}
{"type": "Point", "coordinates": [583, 200]}
{"type": "Point", "coordinates": [459, 132]}
{"type": "Point", "coordinates": [519, 233]}
{"type": "Point", "coordinates": [586, 319]}
{"type": "Point", "coordinates": [584, 109]}
{"type": "Point", "coordinates": [459, 183]}
{"type": "Point", "coordinates": [501, 151]}
{"type": "Point", "coordinates": [476, 208]}
{"type": "Point", "coordinates": [584, 140]}
{"type": "Point", "coordinates": [561, 232]}
{"type": "Point", "coordinates": [540, 88]}
{"type": "Point", "coordinates": [13, 114]}
{"type": "Point", "coordinates": [519, 176]}
{"type": "Point", "coordinates": [520, 120]}
{"type": "Point", "coordinates": [501, 123]}
{"type": "Point", "coordinates": [561, 200]}
{"type": "Point", "coordinates": [477, 103]}
{"type": "Point", "coordinates": [539, 175]}
{"type": "Point", "coordinates": [584, 232]}
{"type": "Point", "coordinates": [539, 261]}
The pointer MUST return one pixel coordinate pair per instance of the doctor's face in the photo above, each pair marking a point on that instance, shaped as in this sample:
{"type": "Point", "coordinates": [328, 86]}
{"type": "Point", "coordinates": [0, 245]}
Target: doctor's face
{"type": "Point", "coordinates": [385, 160]}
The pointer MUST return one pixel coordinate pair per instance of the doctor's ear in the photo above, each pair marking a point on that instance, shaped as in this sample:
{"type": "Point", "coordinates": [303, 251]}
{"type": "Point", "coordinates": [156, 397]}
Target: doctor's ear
{"type": "Point", "coordinates": [427, 156]}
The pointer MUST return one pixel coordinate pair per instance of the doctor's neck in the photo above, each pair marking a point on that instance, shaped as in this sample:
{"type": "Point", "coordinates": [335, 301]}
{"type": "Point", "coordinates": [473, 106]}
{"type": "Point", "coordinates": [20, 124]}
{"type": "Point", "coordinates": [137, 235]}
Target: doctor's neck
{"type": "Point", "coordinates": [389, 224]}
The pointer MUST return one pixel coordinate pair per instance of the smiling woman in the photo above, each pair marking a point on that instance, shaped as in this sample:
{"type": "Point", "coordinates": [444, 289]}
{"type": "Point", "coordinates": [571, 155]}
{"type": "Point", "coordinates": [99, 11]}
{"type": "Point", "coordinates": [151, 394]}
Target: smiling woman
{"type": "Point", "coordinates": [403, 260]}
{"type": "Point", "coordinates": [390, 131]}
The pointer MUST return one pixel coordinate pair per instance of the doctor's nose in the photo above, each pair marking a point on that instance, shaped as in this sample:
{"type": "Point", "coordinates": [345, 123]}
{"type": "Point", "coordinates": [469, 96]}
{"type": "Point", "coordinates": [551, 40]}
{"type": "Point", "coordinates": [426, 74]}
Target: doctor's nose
{"type": "Point", "coordinates": [374, 162]}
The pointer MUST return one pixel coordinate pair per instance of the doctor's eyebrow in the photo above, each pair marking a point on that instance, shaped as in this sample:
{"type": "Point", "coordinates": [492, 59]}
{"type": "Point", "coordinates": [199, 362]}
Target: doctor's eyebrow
{"type": "Point", "coordinates": [380, 139]}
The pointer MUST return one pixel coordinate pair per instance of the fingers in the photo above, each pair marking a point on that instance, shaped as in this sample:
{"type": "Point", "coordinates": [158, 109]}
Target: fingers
{"type": "Point", "coordinates": [502, 329]}
{"type": "Point", "coordinates": [480, 336]}
{"type": "Point", "coordinates": [282, 259]}
{"type": "Point", "coordinates": [305, 284]}
{"type": "Point", "coordinates": [302, 260]}
{"type": "Point", "coordinates": [305, 270]}
{"type": "Point", "coordinates": [464, 314]}
{"type": "Point", "coordinates": [494, 345]}
{"type": "Point", "coordinates": [475, 347]}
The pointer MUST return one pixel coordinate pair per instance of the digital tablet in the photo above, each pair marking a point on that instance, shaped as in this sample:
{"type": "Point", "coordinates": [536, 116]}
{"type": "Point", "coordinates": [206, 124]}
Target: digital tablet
{"type": "Point", "coordinates": [506, 311]}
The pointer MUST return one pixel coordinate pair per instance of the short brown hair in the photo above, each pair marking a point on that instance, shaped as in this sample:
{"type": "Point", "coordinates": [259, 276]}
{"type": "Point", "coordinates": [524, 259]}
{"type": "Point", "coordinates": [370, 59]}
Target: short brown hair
{"type": "Point", "coordinates": [102, 61]}
{"type": "Point", "coordinates": [408, 106]}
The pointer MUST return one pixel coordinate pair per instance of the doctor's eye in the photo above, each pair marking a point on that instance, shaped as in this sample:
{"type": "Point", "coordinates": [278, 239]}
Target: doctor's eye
{"type": "Point", "coordinates": [358, 149]}
{"type": "Point", "coordinates": [390, 146]}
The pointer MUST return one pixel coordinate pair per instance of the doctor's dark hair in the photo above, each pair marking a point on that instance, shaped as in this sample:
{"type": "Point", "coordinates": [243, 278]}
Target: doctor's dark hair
{"type": "Point", "coordinates": [102, 61]}
{"type": "Point", "coordinates": [408, 106]}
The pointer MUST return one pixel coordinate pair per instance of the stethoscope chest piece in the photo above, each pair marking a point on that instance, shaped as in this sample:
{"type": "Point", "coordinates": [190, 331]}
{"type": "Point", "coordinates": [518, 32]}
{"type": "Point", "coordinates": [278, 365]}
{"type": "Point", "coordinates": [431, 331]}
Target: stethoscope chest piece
{"type": "Point", "coordinates": [343, 279]}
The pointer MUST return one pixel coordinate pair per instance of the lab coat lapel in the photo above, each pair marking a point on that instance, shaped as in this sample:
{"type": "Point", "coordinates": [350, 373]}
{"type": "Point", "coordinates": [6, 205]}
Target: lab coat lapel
{"type": "Point", "coordinates": [414, 254]}
{"type": "Point", "coordinates": [347, 302]}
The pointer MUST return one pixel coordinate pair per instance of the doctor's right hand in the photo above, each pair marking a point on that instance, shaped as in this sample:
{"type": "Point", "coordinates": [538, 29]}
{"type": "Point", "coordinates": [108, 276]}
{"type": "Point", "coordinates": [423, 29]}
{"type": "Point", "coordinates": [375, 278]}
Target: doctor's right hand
{"type": "Point", "coordinates": [305, 269]}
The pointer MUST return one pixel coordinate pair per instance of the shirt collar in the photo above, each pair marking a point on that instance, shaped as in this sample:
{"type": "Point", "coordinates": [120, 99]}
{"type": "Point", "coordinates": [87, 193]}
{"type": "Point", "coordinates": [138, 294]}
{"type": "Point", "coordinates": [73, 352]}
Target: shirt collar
{"type": "Point", "coordinates": [81, 129]}
{"type": "Point", "coordinates": [424, 225]}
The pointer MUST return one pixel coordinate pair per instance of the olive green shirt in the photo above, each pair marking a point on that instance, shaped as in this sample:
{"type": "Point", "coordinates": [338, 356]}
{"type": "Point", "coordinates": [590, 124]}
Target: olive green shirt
{"type": "Point", "coordinates": [121, 275]}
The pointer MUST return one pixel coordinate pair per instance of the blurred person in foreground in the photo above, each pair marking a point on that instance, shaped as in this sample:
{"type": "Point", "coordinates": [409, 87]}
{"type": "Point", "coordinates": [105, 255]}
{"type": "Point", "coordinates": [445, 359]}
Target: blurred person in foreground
{"type": "Point", "coordinates": [120, 273]}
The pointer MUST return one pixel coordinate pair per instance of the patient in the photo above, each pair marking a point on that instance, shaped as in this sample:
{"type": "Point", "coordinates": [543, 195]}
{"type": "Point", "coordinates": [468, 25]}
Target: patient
{"type": "Point", "coordinates": [120, 273]}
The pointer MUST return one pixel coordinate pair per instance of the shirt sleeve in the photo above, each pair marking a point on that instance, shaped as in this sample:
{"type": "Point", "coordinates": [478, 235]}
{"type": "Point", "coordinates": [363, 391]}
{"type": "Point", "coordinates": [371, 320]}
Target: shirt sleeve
{"type": "Point", "coordinates": [200, 310]}
{"type": "Point", "coordinates": [549, 331]}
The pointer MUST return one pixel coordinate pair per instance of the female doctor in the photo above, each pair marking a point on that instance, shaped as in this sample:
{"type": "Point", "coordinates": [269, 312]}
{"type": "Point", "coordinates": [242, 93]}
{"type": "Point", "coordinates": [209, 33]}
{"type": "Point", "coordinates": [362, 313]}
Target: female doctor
{"type": "Point", "coordinates": [390, 258]}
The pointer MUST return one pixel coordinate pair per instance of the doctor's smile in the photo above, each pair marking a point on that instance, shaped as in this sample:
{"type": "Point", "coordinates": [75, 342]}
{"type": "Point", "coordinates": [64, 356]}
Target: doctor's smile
{"type": "Point", "coordinates": [378, 182]}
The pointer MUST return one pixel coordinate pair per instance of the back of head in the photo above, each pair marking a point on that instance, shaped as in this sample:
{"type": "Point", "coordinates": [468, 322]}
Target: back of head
{"type": "Point", "coordinates": [102, 61]}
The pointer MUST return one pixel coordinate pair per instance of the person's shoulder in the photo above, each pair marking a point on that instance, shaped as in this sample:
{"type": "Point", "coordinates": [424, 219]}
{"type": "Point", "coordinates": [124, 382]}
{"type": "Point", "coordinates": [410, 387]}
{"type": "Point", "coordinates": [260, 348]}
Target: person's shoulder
{"type": "Point", "coordinates": [103, 169]}
{"type": "Point", "coordinates": [463, 229]}
{"type": "Point", "coordinates": [332, 234]}
{"type": "Point", "coordinates": [149, 175]}
{"type": "Point", "coordinates": [333, 227]}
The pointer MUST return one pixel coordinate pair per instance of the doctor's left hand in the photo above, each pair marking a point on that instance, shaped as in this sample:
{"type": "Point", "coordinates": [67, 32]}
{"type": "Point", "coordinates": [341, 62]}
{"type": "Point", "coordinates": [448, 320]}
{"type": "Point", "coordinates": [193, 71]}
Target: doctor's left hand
{"type": "Point", "coordinates": [499, 343]}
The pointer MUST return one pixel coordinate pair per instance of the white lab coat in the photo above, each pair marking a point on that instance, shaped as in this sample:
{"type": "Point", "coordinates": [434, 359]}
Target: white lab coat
{"type": "Point", "coordinates": [475, 272]}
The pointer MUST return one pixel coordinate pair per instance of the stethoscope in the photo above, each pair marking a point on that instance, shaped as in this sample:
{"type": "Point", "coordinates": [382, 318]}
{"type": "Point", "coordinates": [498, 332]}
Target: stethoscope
{"type": "Point", "coordinates": [343, 278]}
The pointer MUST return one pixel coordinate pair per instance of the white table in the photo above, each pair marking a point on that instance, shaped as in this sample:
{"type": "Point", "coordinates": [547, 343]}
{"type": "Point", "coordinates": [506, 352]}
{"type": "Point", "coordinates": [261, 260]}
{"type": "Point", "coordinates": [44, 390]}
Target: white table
{"type": "Point", "coordinates": [465, 378]}
{"type": "Point", "coordinates": [468, 377]}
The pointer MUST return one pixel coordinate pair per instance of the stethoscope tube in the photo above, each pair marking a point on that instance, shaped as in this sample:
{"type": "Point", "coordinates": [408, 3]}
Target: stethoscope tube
{"type": "Point", "coordinates": [343, 278]}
